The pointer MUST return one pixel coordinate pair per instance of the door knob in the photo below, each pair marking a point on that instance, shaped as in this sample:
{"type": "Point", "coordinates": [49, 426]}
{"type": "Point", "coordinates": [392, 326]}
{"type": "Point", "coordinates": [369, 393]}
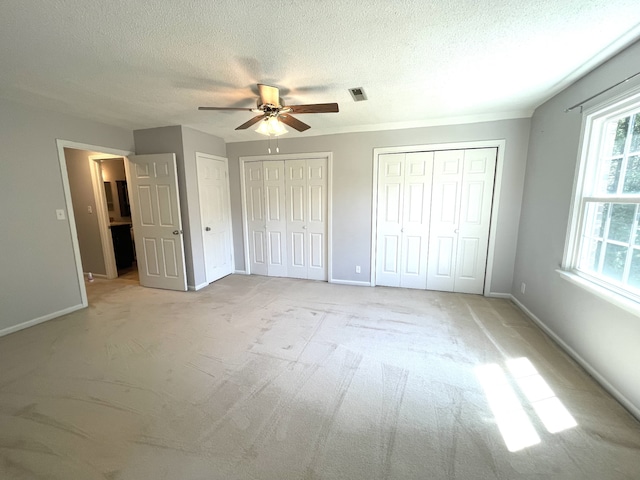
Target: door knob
{"type": "Point", "coordinates": [177, 232]}
{"type": "Point", "coordinates": [304, 226]}
{"type": "Point", "coordinates": [456, 231]}
{"type": "Point", "coordinates": [208, 229]}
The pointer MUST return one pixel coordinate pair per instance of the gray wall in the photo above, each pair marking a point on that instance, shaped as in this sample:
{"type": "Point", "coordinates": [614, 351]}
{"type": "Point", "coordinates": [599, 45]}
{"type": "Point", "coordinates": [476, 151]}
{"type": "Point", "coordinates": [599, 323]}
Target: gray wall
{"type": "Point", "coordinates": [353, 188]}
{"type": "Point", "coordinates": [184, 142]}
{"type": "Point", "coordinates": [37, 264]}
{"type": "Point", "coordinates": [82, 196]}
{"type": "Point", "coordinates": [605, 337]}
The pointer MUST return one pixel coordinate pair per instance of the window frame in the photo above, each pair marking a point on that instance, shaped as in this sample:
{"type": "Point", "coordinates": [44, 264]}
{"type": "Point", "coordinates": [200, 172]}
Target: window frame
{"type": "Point", "coordinates": [591, 138]}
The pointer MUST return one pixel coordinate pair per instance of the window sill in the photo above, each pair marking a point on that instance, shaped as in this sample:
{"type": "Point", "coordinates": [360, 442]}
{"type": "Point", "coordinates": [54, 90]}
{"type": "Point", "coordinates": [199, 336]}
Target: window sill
{"type": "Point", "coordinates": [616, 299]}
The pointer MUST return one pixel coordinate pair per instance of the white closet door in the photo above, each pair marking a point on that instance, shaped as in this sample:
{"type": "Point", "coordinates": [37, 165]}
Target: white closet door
{"type": "Point", "coordinates": [306, 199]}
{"type": "Point", "coordinates": [215, 213]}
{"type": "Point", "coordinates": [460, 219]}
{"type": "Point", "coordinates": [389, 219]}
{"type": "Point", "coordinates": [275, 218]}
{"type": "Point", "coordinates": [297, 212]}
{"type": "Point", "coordinates": [317, 209]}
{"type": "Point", "coordinates": [256, 223]}
{"type": "Point", "coordinates": [475, 215]}
{"type": "Point", "coordinates": [415, 219]}
{"type": "Point", "coordinates": [445, 209]}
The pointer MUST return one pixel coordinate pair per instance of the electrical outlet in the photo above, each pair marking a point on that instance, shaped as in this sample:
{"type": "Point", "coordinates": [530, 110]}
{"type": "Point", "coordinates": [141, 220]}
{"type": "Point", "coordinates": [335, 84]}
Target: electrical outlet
{"type": "Point", "coordinates": [89, 209]}
{"type": "Point", "coordinates": [523, 287]}
{"type": "Point", "coordinates": [60, 214]}
{"type": "Point", "coordinates": [357, 268]}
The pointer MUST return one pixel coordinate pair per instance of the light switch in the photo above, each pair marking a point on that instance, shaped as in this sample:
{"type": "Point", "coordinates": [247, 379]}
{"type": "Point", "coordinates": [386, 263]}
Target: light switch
{"type": "Point", "coordinates": [60, 214]}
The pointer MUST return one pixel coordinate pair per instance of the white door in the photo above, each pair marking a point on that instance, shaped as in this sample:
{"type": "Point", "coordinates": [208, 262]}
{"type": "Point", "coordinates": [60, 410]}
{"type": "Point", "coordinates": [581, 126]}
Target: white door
{"type": "Point", "coordinates": [317, 211]}
{"type": "Point", "coordinates": [460, 218]}
{"type": "Point", "coordinates": [297, 204]}
{"type": "Point", "coordinates": [266, 223]}
{"type": "Point", "coordinates": [404, 195]}
{"type": "Point", "coordinates": [445, 208]}
{"type": "Point", "coordinates": [415, 219]}
{"type": "Point", "coordinates": [306, 209]}
{"type": "Point", "coordinates": [157, 225]}
{"type": "Point", "coordinates": [389, 219]}
{"type": "Point", "coordinates": [256, 224]}
{"type": "Point", "coordinates": [275, 218]}
{"type": "Point", "coordinates": [474, 220]}
{"type": "Point", "coordinates": [215, 213]}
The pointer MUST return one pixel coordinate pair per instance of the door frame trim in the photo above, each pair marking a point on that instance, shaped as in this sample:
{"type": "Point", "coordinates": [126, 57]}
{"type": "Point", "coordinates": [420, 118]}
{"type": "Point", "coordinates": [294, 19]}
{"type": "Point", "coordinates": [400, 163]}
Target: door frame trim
{"type": "Point", "coordinates": [204, 253]}
{"type": "Point", "coordinates": [289, 156]}
{"type": "Point", "coordinates": [61, 145]}
{"type": "Point", "coordinates": [500, 144]}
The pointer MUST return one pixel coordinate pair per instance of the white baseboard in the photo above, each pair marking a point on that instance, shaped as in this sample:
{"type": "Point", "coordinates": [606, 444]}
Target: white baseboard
{"type": "Point", "coordinates": [633, 409]}
{"type": "Point", "coordinates": [350, 282]}
{"type": "Point", "coordinates": [36, 321]}
{"type": "Point", "coordinates": [195, 288]}
{"type": "Point", "coordinates": [96, 275]}
{"type": "Point", "coordinates": [506, 296]}
{"type": "Point", "coordinates": [240, 272]}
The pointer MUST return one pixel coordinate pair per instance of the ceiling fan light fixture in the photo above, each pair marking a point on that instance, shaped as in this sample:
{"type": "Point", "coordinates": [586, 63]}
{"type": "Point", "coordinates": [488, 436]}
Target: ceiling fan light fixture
{"type": "Point", "coordinates": [271, 127]}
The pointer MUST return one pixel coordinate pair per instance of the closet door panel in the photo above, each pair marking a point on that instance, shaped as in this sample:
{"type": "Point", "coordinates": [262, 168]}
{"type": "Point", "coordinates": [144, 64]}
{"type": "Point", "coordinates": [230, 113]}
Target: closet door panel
{"type": "Point", "coordinates": [256, 224]}
{"type": "Point", "coordinates": [297, 209]}
{"type": "Point", "coordinates": [389, 219]}
{"type": "Point", "coordinates": [316, 231]}
{"type": "Point", "coordinates": [275, 218]}
{"type": "Point", "coordinates": [475, 219]}
{"type": "Point", "coordinates": [416, 215]}
{"type": "Point", "coordinates": [445, 206]}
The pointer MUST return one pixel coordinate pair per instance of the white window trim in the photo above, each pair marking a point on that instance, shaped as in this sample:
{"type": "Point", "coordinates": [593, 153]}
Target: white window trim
{"type": "Point", "coordinates": [605, 293]}
{"type": "Point", "coordinates": [590, 120]}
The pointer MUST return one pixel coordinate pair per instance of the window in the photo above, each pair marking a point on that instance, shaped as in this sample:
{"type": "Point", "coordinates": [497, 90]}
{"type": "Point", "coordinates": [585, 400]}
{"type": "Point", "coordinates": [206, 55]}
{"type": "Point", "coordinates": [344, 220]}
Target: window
{"type": "Point", "coordinates": [606, 227]}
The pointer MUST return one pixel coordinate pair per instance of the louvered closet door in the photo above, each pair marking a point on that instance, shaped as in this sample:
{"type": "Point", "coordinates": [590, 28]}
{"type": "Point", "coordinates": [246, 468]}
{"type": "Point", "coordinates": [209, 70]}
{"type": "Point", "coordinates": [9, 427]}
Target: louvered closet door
{"type": "Point", "coordinates": [404, 194]}
{"type": "Point", "coordinates": [306, 199]}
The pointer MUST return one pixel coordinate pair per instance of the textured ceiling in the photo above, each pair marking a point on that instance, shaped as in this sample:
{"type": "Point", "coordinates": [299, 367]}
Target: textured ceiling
{"type": "Point", "coordinates": [142, 64]}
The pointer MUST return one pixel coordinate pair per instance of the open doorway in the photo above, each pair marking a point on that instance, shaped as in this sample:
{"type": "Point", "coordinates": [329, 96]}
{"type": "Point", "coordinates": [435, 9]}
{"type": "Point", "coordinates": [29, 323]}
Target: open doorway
{"type": "Point", "coordinates": [98, 188]}
{"type": "Point", "coordinates": [88, 212]}
{"type": "Point", "coordinates": [111, 183]}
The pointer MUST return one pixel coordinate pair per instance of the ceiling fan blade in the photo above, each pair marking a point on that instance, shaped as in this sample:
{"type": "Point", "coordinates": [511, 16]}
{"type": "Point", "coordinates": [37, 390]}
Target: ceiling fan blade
{"type": "Point", "coordinates": [225, 108]}
{"type": "Point", "coordinates": [314, 108]}
{"type": "Point", "coordinates": [253, 121]}
{"type": "Point", "coordinates": [269, 95]}
{"type": "Point", "coordinates": [294, 123]}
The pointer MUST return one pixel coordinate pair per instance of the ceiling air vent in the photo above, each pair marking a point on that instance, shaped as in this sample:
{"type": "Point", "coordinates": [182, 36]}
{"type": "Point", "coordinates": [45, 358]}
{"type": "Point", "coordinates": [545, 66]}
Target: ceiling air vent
{"type": "Point", "coordinates": [358, 94]}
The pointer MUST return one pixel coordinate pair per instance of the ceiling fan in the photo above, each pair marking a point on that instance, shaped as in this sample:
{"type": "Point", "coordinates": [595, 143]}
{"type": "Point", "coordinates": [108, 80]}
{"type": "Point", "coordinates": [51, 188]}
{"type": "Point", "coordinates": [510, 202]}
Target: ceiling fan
{"type": "Point", "coordinates": [272, 109]}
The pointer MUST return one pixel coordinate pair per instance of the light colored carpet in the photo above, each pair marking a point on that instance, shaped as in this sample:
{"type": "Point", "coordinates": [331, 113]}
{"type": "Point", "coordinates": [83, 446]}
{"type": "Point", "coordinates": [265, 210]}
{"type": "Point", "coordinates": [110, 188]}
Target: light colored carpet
{"type": "Point", "coordinates": [269, 378]}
